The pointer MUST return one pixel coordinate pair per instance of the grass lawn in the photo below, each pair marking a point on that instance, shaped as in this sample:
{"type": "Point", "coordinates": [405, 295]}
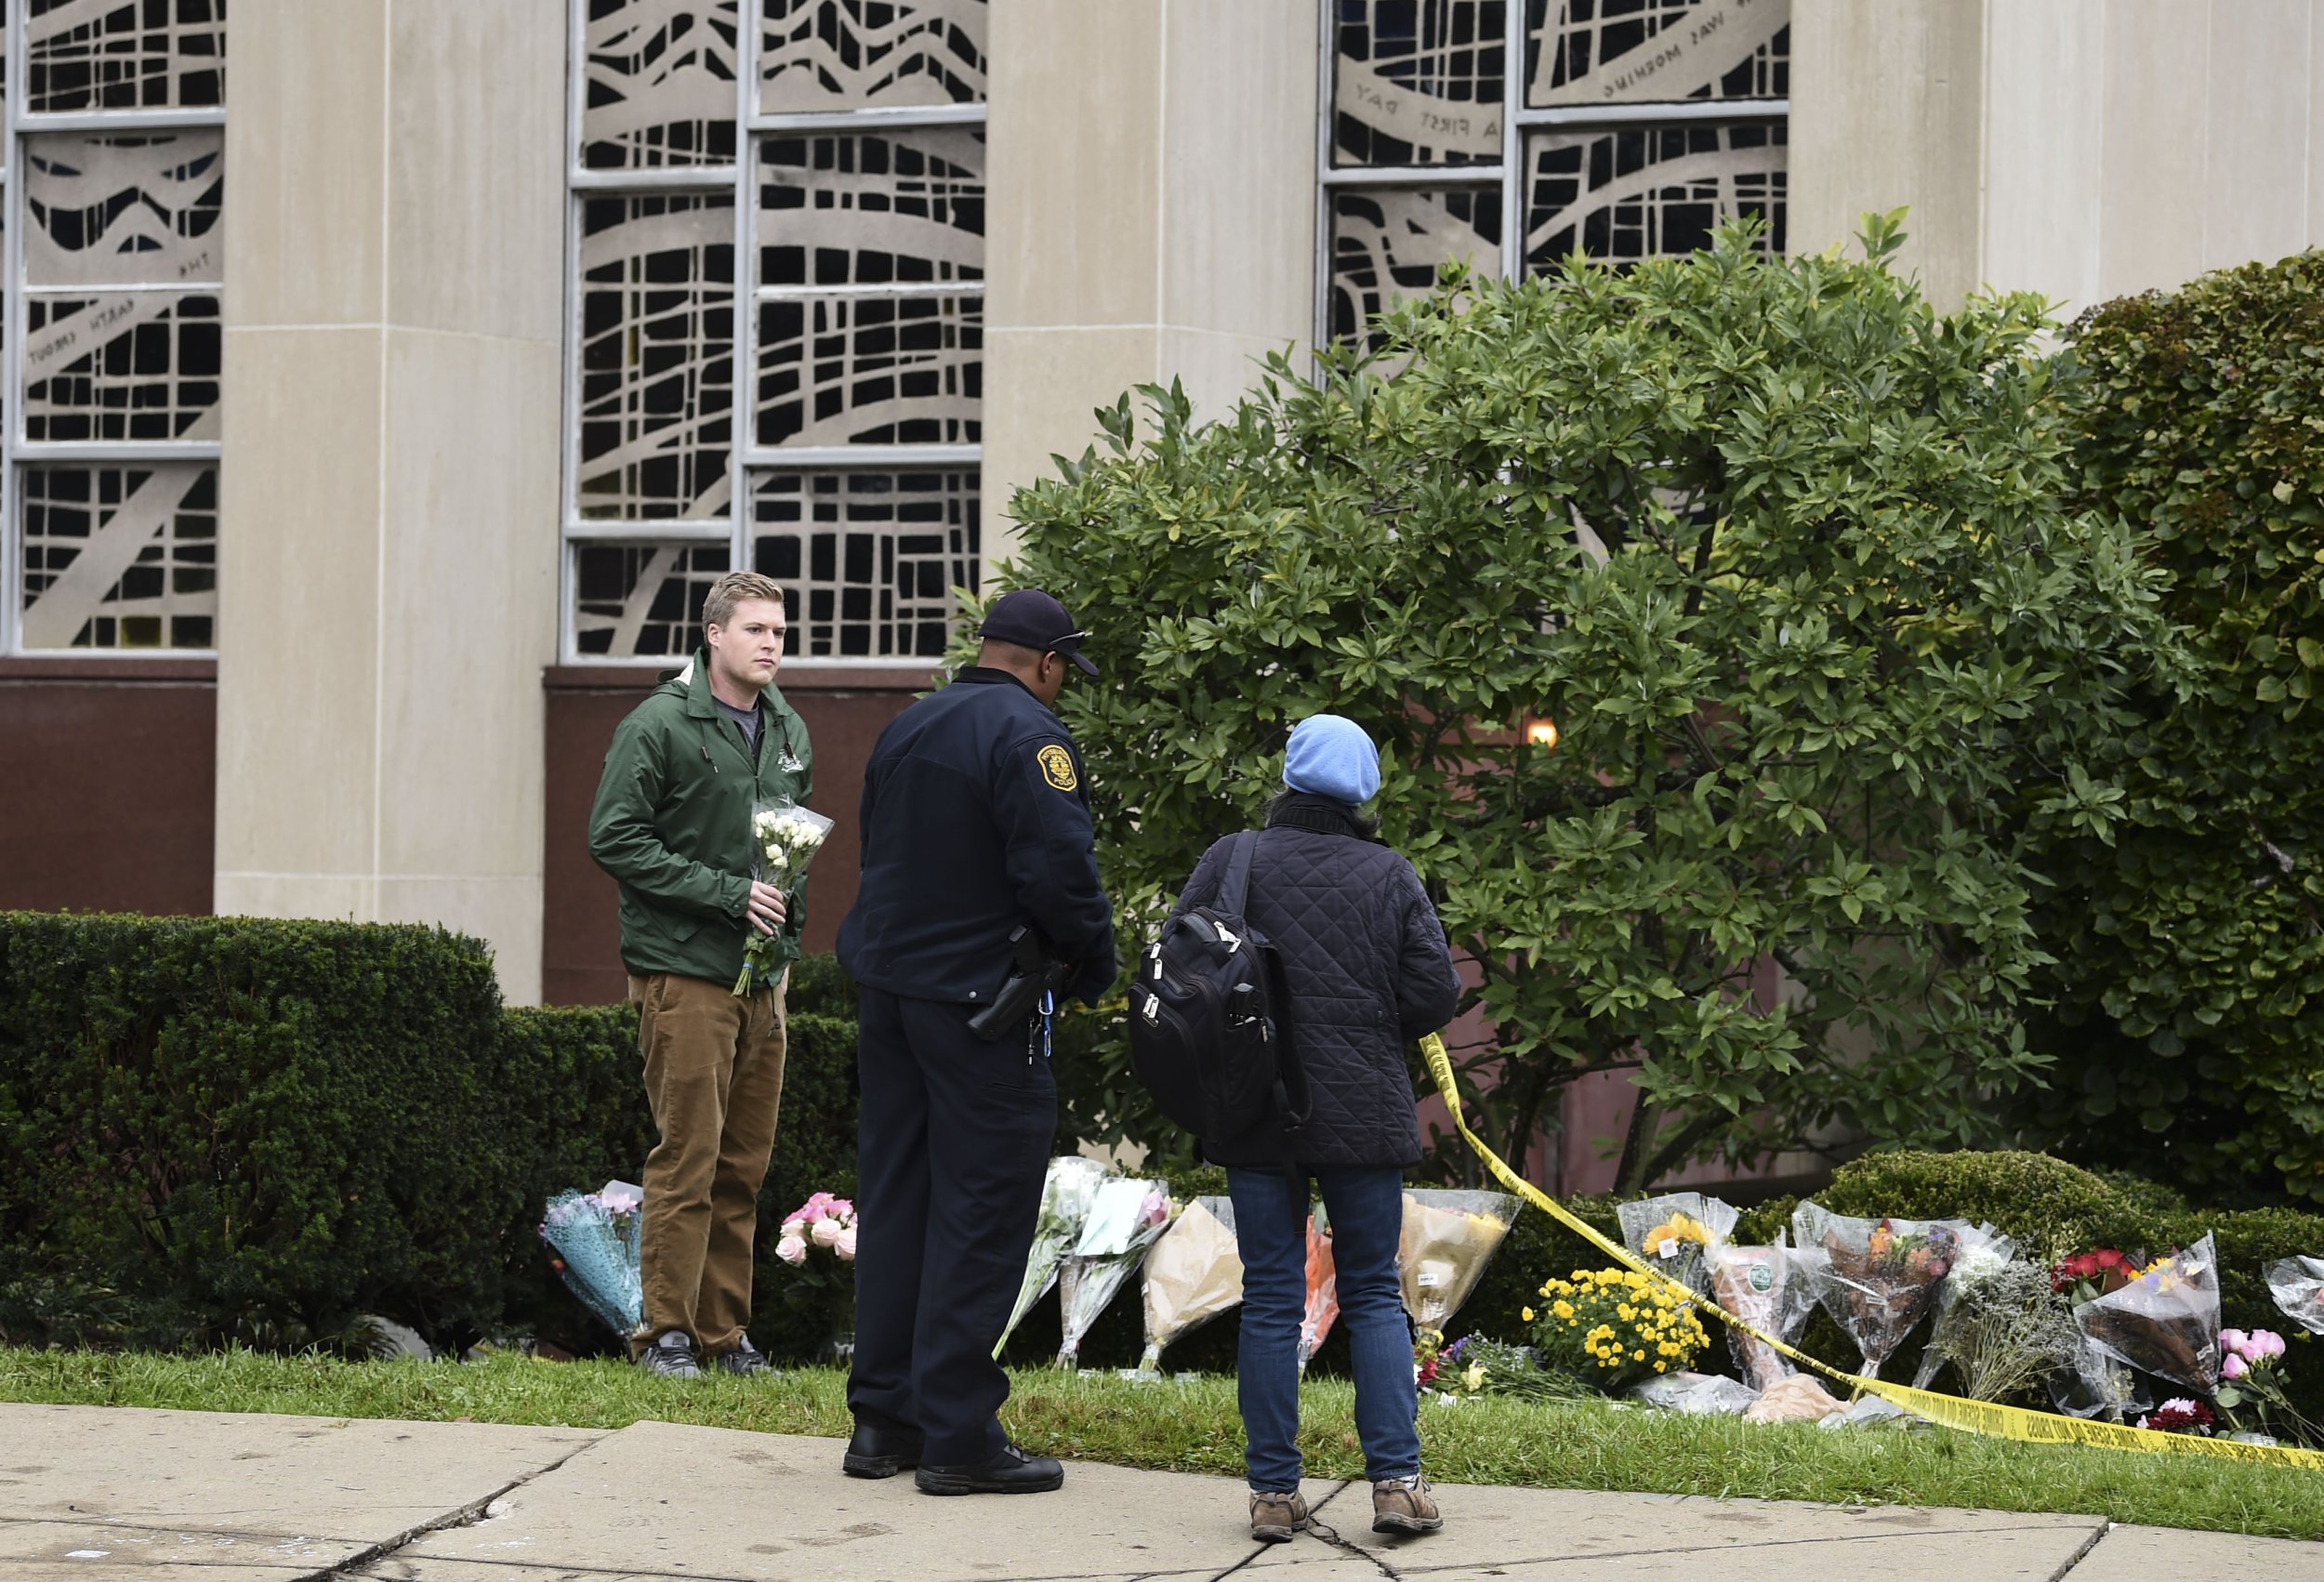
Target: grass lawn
{"type": "Point", "coordinates": [1193, 1428]}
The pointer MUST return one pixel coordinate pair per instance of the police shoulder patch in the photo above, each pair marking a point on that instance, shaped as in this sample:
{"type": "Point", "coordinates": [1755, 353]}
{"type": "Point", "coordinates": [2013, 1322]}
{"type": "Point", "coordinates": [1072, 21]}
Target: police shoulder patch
{"type": "Point", "coordinates": [1057, 767]}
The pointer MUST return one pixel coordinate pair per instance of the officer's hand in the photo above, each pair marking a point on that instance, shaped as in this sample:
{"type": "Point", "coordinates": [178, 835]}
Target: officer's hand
{"type": "Point", "coordinates": [766, 908]}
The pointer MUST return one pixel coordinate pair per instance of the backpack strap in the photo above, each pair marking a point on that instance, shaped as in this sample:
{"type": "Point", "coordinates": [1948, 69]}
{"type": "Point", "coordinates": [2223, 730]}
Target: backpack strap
{"type": "Point", "coordinates": [1234, 885]}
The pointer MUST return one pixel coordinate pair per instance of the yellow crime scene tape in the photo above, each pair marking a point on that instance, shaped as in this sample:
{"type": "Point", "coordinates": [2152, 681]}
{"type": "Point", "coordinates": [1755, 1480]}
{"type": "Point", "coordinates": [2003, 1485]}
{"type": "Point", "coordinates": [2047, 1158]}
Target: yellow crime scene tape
{"type": "Point", "coordinates": [1951, 1411]}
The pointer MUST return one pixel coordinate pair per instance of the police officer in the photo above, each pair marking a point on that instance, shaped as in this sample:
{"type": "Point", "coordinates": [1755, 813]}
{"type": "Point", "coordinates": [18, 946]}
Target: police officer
{"type": "Point", "coordinates": [975, 823]}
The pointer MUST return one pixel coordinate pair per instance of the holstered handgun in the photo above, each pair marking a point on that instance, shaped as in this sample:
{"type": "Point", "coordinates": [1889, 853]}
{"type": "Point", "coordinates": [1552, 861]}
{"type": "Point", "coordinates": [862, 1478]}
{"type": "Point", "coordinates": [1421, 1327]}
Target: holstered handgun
{"type": "Point", "coordinates": [1036, 973]}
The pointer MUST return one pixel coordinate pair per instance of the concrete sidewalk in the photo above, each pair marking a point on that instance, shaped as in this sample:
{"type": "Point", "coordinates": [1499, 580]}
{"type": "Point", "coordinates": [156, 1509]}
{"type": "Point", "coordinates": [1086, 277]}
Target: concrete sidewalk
{"type": "Point", "coordinates": [107, 1495]}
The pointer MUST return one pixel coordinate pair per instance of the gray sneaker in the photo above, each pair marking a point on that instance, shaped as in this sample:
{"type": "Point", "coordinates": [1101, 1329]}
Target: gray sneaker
{"type": "Point", "coordinates": [746, 1360]}
{"type": "Point", "coordinates": [670, 1354]}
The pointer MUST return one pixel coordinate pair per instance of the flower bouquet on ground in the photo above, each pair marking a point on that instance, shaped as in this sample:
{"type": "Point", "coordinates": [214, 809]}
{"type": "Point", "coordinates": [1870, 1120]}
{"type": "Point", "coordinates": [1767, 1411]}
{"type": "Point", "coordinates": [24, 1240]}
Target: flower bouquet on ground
{"type": "Point", "coordinates": [1125, 1216]}
{"type": "Point", "coordinates": [783, 839]}
{"type": "Point", "coordinates": [1193, 1273]}
{"type": "Point", "coordinates": [824, 1225]}
{"type": "Point", "coordinates": [2251, 1379]}
{"type": "Point", "coordinates": [1766, 1289]}
{"type": "Point", "coordinates": [2165, 1322]}
{"type": "Point", "coordinates": [1447, 1239]}
{"type": "Point", "coordinates": [1067, 1193]}
{"type": "Point", "coordinates": [1676, 1233]}
{"type": "Point", "coordinates": [1613, 1328]}
{"type": "Point", "coordinates": [1473, 1366]}
{"type": "Point", "coordinates": [594, 1238]}
{"type": "Point", "coordinates": [1323, 1290]}
{"type": "Point", "coordinates": [2004, 1332]}
{"type": "Point", "coordinates": [2297, 1283]}
{"type": "Point", "coordinates": [1879, 1276]}
{"type": "Point", "coordinates": [1983, 1254]}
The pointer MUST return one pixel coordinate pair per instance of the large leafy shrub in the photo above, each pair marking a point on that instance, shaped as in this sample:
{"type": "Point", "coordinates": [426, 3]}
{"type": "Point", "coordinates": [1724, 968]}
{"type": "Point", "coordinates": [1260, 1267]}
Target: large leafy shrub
{"type": "Point", "coordinates": [2190, 1030]}
{"type": "Point", "coordinates": [1779, 549]}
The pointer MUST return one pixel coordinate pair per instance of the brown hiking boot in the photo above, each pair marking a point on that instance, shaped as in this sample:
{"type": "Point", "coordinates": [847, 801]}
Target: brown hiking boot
{"type": "Point", "coordinates": [1405, 1505]}
{"type": "Point", "coordinates": [1274, 1517]}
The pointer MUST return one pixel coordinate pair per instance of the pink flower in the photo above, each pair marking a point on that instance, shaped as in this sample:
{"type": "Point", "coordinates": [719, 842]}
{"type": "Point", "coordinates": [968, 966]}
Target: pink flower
{"type": "Point", "coordinates": [826, 1233]}
{"type": "Point", "coordinates": [845, 1245]}
{"type": "Point", "coordinates": [2234, 1339]}
{"type": "Point", "coordinates": [2265, 1343]}
{"type": "Point", "coordinates": [2233, 1366]}
{"type": "Point", "coordinates": [791, 1251]}
{"type": "Point", "coordinates": [840, 1208]}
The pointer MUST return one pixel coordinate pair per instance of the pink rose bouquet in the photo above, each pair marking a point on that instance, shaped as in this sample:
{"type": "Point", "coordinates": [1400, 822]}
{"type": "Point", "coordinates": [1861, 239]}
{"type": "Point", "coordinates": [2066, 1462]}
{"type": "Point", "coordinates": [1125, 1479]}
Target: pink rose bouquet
{"type": "Point", "coordinates": [822, 1222]}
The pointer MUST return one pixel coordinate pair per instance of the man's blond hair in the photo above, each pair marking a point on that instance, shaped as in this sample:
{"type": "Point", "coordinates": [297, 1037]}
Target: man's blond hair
{"type": "Point", "coordinates": [717, 609]}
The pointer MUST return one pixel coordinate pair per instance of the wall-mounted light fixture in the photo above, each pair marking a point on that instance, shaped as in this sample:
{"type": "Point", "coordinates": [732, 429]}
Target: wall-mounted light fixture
{"type": "Point", "coordinates": [1541, 732]}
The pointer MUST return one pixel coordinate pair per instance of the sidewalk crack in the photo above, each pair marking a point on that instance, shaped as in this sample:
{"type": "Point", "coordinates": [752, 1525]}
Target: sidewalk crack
{"type": "Point", "coordinates": [1322, 1533]}
{"type": "Point", "coordinates": [2083, 1553]}
{"type": "Point", "coordinates": [465, 1516]}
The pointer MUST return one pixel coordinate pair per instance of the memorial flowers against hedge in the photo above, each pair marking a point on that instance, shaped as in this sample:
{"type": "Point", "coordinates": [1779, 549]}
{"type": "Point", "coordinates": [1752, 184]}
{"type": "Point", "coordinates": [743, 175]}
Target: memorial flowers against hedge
{"type": "Point", "coordinates": [1879, 1276]}
{"type": "Point", "coordinates": [1612, 1327]}
{"type": "Point", "coordinates": [2251, 1381]}
{"type": "Point", "coordinates": [1067, 1193]}
{"type": "Point", "coordinates": [594, 1241]}
{"type": "Point", "coordinates": [1474, 1366]}
{"type": "Point", "coordinates": [1125, 1216]}
{"type": "Point", "coordinates": [2005, 1331]}
{"type": "Point", "coordinates": [1983, 1254]}
{"type": "Point", "coordinates": [1772, 1290]}
{"type": "Point", "coordinates": [823, 1224]}
{"type": "Point", "coordinates": [1447, 1239]}
{"type": "Point", "coordinates": [783, 839]}
{"type": "Point", "coordinates": [1676, 1233]}
{"type": "Point", "coordinates": [1193, 1273]}
{"type": "Point", "coordinates": [2164, 1322]}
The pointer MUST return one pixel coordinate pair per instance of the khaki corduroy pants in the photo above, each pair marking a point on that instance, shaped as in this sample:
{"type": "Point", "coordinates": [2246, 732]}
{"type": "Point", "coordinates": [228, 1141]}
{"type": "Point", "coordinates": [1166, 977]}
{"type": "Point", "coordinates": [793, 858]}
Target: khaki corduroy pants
{"type": "Point", "coordinates": [714, 1077]}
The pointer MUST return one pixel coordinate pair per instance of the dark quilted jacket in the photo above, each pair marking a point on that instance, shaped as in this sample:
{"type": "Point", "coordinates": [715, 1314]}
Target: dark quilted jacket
{"type": "Point", "coordinates": [1370, 974]}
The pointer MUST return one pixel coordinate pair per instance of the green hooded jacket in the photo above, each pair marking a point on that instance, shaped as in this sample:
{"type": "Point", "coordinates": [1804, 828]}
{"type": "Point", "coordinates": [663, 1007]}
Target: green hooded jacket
{"type": "Point", "coordinates": [672, 824]}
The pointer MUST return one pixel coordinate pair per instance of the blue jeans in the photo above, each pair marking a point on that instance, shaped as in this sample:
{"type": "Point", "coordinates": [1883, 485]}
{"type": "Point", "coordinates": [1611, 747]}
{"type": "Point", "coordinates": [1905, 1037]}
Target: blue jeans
{"type": "Point", "coordinates": [1366, 1210]}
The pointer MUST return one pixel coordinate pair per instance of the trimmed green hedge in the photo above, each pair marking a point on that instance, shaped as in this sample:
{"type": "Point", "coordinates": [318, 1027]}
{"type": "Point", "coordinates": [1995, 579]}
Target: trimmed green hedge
{"type": "Point", "coordinates": [237, 1129]}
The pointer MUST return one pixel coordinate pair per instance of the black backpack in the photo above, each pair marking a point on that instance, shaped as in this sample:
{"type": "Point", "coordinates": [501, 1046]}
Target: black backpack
{"type": "Point", "coordinates": [1210, 1019]}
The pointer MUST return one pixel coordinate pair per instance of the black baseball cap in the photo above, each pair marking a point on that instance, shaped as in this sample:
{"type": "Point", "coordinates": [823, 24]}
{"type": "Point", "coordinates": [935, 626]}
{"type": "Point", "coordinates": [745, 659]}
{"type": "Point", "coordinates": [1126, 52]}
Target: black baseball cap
{"type": "Point", "coordinates": [1031, 619]}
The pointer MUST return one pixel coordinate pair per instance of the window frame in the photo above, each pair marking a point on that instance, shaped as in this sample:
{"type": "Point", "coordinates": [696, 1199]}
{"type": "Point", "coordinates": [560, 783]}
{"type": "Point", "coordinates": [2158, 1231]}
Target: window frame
{"type": "Point", "coordinates": [1510, 174]}
{"type": "Point", "coordinates": [748, 460]}
{"type": "Point", "coordinates": [18, 453]}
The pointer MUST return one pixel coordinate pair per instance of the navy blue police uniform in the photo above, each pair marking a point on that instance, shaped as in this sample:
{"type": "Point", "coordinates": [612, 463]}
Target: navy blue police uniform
{"type": "Point", "coordinates": [975, 821]}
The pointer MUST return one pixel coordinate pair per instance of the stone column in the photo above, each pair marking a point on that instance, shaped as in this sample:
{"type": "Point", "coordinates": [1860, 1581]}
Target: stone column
{"type": "Point", "coordinates": [1887, 110]}
{"type": "Point", "coordinates": [395, 230]}
{"type": "Point", "coordinates": [1152, 212]}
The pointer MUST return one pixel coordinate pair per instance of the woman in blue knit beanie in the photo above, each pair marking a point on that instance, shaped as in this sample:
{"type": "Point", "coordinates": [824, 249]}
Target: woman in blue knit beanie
{"type": "Point", "coordinates": [1368, 970]}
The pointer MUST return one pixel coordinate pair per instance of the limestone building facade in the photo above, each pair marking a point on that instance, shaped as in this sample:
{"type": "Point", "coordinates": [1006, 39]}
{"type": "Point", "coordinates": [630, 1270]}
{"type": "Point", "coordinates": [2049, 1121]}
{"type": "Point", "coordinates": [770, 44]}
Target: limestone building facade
{"type": "Point", "coordinates": [381, 381]}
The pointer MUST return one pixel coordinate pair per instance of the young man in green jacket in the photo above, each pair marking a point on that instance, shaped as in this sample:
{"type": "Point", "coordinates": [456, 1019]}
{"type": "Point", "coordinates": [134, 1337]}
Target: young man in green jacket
{"type": "Point", "coordinates": [672, 825]}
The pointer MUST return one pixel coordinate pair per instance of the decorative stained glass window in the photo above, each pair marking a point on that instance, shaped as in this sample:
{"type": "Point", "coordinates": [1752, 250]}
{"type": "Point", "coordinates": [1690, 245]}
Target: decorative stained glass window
{"type": "Point", "coordinates": [659, 88]}
{"type": "Point", "coordinates": [780, 260]}
{"type": "Point", "coordinates": [1510, 136]}
{"type": "Point", "coordinates": [114, 180]}
{"type": "Point", "coordinates": [656, 356]}
{"type": "Point", "coordinates": [867, 561]}
{"type": "Point", "coordinates": [827, 55]}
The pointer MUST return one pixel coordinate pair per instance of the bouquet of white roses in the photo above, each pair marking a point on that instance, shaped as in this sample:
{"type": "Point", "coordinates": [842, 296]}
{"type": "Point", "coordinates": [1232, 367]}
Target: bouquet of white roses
{"type": "Point", "coordinates": [595, 1239]}
{"type": "Point", "coordinates": [1067, 1197]}
{"type": "Point", "coordinates": [1125, 1218]}
{"type": "Point", "coordinates": [783, 839]}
